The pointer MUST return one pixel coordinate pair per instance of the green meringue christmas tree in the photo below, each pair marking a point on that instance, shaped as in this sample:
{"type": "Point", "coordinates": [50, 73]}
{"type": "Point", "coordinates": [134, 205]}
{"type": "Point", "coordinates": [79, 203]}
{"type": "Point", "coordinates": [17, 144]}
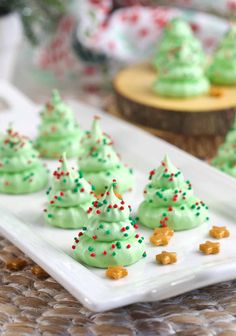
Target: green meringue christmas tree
{"type": "Point", "coordinates": [180, 62]}
{"type": "Point", "coordinates": [101, 164]}
{"type": "Point", "coordinates": [222, 71]}
{"type": "Point", "coordinates": [21, 170]}
{"type": "Point", "coordinates": [59, 131]}
{"type": "Point", "coordinates": [225, 159]}
{"type": "Point", "coordinates": [69, 198]}
{"type": "Point", "coordinates": [169, 200]}
{"type": "Point", "coordinates": [110, 236]}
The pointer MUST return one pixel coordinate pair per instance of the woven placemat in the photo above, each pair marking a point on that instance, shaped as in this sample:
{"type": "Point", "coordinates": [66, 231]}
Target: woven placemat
{"type": "Point", "coordinates": [32, 303]}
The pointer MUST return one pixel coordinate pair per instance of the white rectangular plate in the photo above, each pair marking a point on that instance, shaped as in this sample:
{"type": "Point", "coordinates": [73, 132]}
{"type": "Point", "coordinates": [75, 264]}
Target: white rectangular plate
{"type": "Point", "coordinates": [21, 219]}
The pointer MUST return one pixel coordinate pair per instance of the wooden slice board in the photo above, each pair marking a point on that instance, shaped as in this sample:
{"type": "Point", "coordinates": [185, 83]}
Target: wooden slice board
{"type": "Point", "coordinates": [210, 114]}
{"type": "Point", "coordinates": [202, 146]}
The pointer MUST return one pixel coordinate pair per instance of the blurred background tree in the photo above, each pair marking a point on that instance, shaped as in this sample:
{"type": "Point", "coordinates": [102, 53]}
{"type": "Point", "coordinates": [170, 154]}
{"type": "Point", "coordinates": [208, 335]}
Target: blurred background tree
{"type": "Point", "coordinates": [37, 16]}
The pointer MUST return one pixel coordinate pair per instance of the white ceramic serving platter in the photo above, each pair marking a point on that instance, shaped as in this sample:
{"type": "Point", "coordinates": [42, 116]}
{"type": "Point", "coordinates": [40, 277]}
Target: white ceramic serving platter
{"type": "Point", "coordinates": [21, 219]}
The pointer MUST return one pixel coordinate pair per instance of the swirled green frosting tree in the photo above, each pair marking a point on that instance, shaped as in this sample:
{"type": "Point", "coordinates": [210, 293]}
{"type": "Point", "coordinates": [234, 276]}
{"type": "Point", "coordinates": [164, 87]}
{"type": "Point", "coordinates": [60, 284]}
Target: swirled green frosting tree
{"type": "Point", "coordinates": [59, 131]}
{"type": "Point", "coordinates": [169, 200]}
{"type": "Point", "coordinates": [110, 236]}
{"type": "Point", "coordinates": [69, 198]}
{"type": "Point", "coordinates": [101, 164]}
{"type": "Point", "coordinates": [21, 170]}
{"type": "Point", "coordinates": [180, 63]}
{"type": "Point", "coordinates": [222, 71]}
{"type": "Point", "coordinates": [225, 158]}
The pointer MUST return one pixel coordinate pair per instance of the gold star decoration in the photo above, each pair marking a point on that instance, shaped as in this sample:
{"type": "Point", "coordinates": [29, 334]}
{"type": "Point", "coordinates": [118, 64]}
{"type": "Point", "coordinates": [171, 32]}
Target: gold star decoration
{"type": "Point", "coordinates": [219, 232]}
{"type": "Point", "coordinates": [209, 247]}
{"type": "Point", "coordinates": [116, 272]}
{"type": "Point", "coordinates": [166, 258]}
{"type": "Point", "coordinates": [161, 236]}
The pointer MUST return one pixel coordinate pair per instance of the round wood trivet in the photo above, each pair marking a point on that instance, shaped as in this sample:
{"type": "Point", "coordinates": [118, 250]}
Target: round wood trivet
{"type": "Point", "coordinates": [211, 114]}
{"type": "Point", "coordinates": [202, 146]}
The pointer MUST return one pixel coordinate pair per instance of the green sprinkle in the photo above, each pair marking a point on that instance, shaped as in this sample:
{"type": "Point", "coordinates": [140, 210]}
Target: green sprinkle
{"type": "Point", "coordinates": [107, 232]}
{"type": "Point", "coordinates": [144, 254]}
{"type": "Point", "coordinates": [127, 227]}
{"type": "Point", "coordinates": [198, 214]}
{"type": "Point", "coordinates": [64, 180]}
{"type": "Point", "coordinates": [90, 248]}
{"type": "Point", "coordinates": [118, 245]}
{"type": "Point", "coordinates": [101, 226]}
{"type": "Point", "coordinates": [113, 253]}
{"type": "Point", "coordinates": [126, 234]}
{"type": "Point", "coordinates": [50, 215]}
{"type": "Point", "coordinates": [193, 206]}
{"type": "Point", "coordinates": [59, 198]}
{"type": "Point", "coordinates": [84, 228]}
{"type": "Point", "coordinates": [182, 208]}
{"type": "Point", "coordinates": [140, 241]}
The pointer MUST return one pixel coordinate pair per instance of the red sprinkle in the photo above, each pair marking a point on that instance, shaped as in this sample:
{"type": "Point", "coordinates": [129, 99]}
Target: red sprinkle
{"type": "Point", "coordinates": [115, 206]}
{"type": "Point", "coordinates": [98, 212]}
{"type": "Point", "coordinates": [113, 246]}
{"type": "Point", "coordinates": [92, 254]}
{"type": "Point", "coordinates": [105, 253]}
{"type": "Point", "coordinates": [94, 237]}
{"type": "Point", "coordinates": [128, 246]}
{"type": "Point", "coordinates": [80, 234]}
{"type": "Point", "coordinates": [170, 209]}
{"type": "Point", "coordinates": [137, 236]}
{"type": "Point", "coordinates": [136, 226]}
{"type": "Point", "coordinates": [123, 229]}
{"type": "Point", "coordinates": [152, 172]}
{"type": "Point", "coordinates": [73, 247]}
{"type": "Point", "coordinates": [122, 208]}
